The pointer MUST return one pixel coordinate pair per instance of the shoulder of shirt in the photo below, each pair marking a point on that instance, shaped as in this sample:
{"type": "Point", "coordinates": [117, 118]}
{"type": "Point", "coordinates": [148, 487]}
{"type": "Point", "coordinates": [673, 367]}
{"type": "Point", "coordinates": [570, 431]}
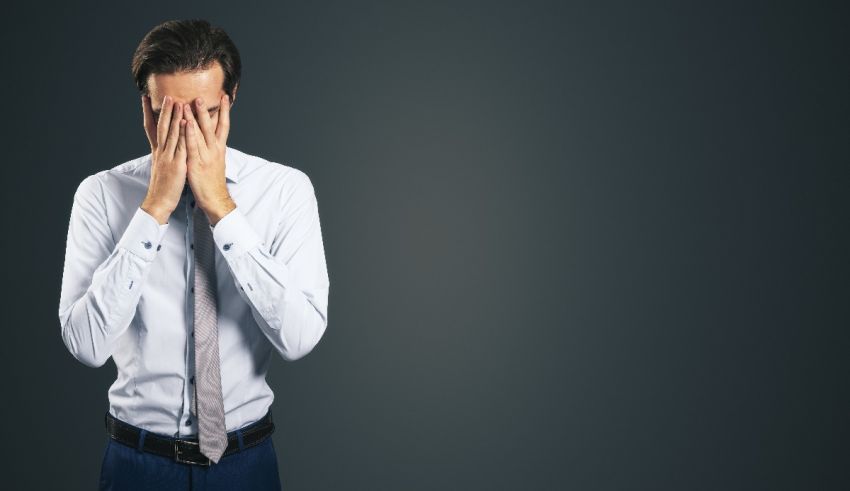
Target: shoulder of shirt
{"type": "Point", "coordinates": [127, 167]}
{"type": "Point", "coordinates": [93, 182]}
{"type": "Point", "coordinates": [289, 180]}
{"type": "Point", "coordinates": [292, 186]}
{"type": "Point", "coordinates": [249, 164]}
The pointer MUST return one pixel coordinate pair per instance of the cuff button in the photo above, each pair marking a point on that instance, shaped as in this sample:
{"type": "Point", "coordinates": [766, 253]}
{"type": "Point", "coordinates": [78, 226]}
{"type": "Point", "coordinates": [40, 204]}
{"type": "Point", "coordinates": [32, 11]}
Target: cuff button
{"type": "Point", "coordinates": [227, 246]}
{"type": "Point", "coordinates": [148, 245]}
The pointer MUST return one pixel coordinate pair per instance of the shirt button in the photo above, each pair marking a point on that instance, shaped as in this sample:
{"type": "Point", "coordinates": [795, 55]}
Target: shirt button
{"type": "Point", "coordinates": [148, 245]}
{"type": "Point", "coordinates": [189, 422]}
{"type": "Point", "coordinates": [192, 380]}
{"type": "Point", "coordinates": [227, 246]}
{"type": "Point", "coordinates": [193, 334]}
{"type": "Point", "coordinates": [191, 246]}
{"type": "Point", "coordinates": [193, 289]}
{"type": "Point", "coordinates": [192, 203]}
{"type": "Point", "coordinates": [159, 247]}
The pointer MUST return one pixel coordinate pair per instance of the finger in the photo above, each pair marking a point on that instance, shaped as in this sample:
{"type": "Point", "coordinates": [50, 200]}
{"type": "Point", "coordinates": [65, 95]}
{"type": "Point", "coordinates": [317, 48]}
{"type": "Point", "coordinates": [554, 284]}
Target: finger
{"type": "Point", "coordinates": [192, 141]}
{"type": "Point", "coordinates": [180, 150]}
{"type": "Point", "coordinates": [164, 119]}
{"type": "Point", "coordinates": [148, 121]}
{"type": "Point", "coordinates": [190, 119]}
{"type": "Point", "coordinates": [174, 129]}
{"type": "Point", "coordinates": [223, 128]}
{"type": "Point", "coordinates": [205, 122]}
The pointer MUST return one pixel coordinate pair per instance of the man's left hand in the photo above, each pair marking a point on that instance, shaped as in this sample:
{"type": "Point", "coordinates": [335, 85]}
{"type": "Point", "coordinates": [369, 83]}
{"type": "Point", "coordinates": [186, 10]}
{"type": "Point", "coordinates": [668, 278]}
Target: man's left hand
{"type": "Point", "coordinates": [206, 144]}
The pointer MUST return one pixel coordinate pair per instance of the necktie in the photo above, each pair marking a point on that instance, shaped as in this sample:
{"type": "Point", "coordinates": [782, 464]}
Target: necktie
{"type": "Point", "coordinates": [209, 404]}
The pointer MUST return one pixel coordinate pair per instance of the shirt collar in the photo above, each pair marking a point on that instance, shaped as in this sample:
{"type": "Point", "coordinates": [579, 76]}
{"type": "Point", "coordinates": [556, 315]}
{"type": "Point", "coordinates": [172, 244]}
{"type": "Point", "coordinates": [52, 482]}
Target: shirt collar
{"type": "Point", "coordinates": [231, 164]}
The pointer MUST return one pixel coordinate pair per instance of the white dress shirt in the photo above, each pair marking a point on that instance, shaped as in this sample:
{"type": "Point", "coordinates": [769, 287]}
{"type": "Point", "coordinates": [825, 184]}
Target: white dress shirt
{"type": "Point", "coordinates": [127, 289]}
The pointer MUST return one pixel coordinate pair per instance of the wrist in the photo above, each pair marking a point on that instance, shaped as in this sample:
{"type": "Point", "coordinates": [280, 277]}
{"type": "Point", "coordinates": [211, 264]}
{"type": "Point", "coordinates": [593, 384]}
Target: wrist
{"type": "Point", "coordinates": [218, 210]}
{"type": "Point", "coordinates": [159, 212]}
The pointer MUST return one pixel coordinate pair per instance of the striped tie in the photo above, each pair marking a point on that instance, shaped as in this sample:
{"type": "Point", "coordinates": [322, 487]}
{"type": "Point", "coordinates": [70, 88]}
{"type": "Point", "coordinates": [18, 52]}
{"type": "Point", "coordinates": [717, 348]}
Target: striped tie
{"type": "Point", "coordinates": [209, 404]}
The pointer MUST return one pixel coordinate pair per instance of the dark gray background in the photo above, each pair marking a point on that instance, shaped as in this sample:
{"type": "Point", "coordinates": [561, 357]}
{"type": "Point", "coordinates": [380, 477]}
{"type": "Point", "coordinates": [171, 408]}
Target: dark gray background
{"type": "Point", "coordinates": [593, 246]}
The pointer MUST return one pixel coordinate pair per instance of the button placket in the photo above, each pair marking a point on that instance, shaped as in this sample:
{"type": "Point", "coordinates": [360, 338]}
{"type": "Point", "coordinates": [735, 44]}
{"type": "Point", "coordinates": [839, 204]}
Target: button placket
{"type": "Point", "coordinates": [189, 399]}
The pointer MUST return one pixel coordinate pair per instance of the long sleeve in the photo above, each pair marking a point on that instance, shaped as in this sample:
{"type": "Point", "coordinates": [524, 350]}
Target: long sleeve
{"type": "Point", "coordinates": [102, 280]}
{"type": "Point", "coordinates": [285, 282]}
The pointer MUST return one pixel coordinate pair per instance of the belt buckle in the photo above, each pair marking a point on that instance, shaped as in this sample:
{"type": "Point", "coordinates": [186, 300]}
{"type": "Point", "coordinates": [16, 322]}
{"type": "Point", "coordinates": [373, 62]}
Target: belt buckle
{"type": "Point", "coordinates": [177, 457]}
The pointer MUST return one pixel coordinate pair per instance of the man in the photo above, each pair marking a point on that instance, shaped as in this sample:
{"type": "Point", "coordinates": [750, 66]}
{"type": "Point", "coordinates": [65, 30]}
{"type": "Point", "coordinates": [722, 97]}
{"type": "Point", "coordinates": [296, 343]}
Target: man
{"type": "Point", "coordinates": [191, 267]}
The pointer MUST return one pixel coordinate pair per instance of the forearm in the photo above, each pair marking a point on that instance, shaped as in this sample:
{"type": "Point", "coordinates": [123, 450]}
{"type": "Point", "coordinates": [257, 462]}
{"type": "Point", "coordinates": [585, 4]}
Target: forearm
{"type": "Point", "coordinates": [92, 323]}
{"type": "Point", "coordinates": [292, 318]}
{"type": "Point", "coordinates": [289, 302]}
{"type": "Point", "coordinates": [97, 303]}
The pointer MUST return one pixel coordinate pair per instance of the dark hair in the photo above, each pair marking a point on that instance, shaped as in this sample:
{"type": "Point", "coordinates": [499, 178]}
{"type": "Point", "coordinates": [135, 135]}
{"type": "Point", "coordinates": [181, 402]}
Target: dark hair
{"type": "Point", "coordinates": [185, 45]}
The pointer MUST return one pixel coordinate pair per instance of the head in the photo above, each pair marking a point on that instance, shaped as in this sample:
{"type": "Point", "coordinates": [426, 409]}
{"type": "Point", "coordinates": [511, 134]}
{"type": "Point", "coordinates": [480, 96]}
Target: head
{"type": "Point", "coordinates": [187, 59]}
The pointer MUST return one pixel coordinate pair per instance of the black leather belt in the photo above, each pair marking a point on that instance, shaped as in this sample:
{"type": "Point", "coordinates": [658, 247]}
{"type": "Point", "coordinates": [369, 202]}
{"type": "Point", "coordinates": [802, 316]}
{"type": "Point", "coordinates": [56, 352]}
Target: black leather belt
{"type": "Point", "coordinates": [187, 450]}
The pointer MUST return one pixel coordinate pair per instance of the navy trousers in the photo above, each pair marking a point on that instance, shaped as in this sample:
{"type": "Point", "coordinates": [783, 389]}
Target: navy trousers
{"type": "Point", "coordinates": [127, 468]}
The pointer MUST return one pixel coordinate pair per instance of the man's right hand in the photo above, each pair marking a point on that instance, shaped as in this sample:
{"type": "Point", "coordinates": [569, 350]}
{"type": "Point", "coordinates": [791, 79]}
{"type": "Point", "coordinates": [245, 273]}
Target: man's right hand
{"type": "Point", "coordinates": [168, 157]}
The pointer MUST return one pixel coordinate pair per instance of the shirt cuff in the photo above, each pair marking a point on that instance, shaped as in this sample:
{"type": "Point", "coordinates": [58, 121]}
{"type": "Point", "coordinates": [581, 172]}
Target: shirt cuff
{"type": "Point", "coordinates": [234, 235]}
{"type": "Point", "coordinates": [143, 235]}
